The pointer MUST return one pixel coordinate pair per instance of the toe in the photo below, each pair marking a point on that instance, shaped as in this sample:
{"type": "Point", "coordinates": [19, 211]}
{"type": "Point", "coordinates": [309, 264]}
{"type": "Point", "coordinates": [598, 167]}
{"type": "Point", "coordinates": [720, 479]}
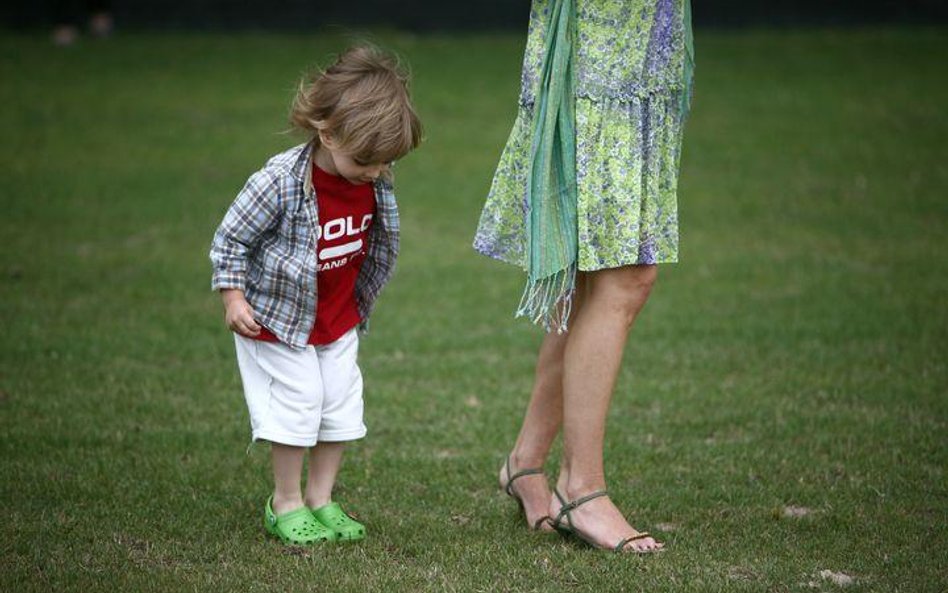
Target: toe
{"type": "Point", "coordinates": [647, 544]}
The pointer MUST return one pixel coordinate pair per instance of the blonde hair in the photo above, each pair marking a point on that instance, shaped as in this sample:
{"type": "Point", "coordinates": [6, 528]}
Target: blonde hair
{"type": "Point", "coordinates": [362, 102]}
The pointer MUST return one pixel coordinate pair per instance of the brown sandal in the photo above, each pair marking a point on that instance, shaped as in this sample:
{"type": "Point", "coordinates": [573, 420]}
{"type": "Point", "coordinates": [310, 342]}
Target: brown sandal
{"type": "Point", "coordinates": [567, 507]}
{"type": "Point", "coordinates": [510, 492]}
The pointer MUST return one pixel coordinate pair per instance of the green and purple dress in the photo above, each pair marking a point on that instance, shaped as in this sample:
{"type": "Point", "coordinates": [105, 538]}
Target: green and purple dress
{"type": "Point", "coordinates": [630, 70]}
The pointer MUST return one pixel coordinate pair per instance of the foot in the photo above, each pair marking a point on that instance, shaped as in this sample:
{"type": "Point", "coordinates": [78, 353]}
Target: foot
{"type": "Point", "coordinates": [298, 527]}
{"type": "Point", "coordinates": [346, 528]}
{"type": "Point", "coordinates": [531, 491]}
{"type": "Point", "coordinates": [601, 524]}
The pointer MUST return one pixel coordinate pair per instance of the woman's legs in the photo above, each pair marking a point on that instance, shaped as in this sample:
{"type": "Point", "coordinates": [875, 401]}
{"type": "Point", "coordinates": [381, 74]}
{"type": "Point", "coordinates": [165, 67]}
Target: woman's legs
{"type": "Point", "coordinates": [592, 358]}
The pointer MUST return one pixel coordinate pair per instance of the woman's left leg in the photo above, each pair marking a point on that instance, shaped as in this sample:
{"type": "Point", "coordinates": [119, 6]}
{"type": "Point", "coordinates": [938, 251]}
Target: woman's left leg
{"type": "Point", "coordinates": [592, 360]}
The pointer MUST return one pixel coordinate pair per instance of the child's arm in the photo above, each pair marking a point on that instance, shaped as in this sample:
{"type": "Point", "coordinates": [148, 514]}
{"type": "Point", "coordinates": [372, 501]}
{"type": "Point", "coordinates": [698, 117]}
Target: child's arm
{"type": "Point", "coordinates": [255, 211]}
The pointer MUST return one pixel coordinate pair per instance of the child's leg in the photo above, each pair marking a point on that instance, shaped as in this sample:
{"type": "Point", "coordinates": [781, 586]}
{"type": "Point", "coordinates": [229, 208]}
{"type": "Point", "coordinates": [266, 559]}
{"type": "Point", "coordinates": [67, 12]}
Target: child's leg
{"type": "Point", "coordinates": [287, 470]}
{"type": "Point", "coordinates": [341, 420]}
{"type": "Point", "coordinates": [324, 462]}
{"type": "Point", "coordinates": [284, 393]}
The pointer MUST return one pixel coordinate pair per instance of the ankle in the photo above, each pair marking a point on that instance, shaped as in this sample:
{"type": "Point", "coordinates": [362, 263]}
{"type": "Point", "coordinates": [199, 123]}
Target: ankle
{"type": "Point", "coordinates": [284, 503]}
{"type": "Point", "coordinates": [577, 486]}
{"type": "Point", "coordinates": [520, 460]}
{"type": "Point", "coordinates": [317, 501]}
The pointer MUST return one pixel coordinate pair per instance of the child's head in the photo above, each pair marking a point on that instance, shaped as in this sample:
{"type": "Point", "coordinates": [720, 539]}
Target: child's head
{"type": "Point", "coordinates": [360, 107]}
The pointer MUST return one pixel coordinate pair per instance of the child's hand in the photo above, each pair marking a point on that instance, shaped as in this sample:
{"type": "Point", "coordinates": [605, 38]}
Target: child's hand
{"type": "Point", "coordinates": [238, 314]}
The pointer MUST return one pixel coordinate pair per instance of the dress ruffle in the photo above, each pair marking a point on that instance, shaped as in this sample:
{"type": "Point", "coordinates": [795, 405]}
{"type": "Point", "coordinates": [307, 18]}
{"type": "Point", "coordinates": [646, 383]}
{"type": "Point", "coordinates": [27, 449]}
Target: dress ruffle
{"type": "Point", "coordinates": [628, 138]}
{"type": "Point", "coordinates": [627, 158]}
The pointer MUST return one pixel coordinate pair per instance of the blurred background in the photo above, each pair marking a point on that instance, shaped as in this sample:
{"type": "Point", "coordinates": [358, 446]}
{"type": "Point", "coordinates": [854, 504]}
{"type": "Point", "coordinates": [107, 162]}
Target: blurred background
{"type": "Point", "coordinates": [781, 418]}
{"type": "Point", "coordinates": [432, 15]}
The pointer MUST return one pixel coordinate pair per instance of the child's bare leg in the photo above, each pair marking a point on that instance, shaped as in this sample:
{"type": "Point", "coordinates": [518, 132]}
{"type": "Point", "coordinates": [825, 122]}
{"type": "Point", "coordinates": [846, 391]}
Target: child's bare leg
{"type": "Point", "coordinates": [325, 459]}
{"type": "Point", "coordinates": [287, 470]}
{"type": "Point", "coordinates": [592, 359]}
{"type": "Point", "coordinates": [541, 423]}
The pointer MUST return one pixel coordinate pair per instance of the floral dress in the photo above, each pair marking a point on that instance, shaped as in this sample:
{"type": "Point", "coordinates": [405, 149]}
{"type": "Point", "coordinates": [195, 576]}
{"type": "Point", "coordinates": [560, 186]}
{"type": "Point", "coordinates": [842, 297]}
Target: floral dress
{"type": "Point", "coordinates": [633, 64]}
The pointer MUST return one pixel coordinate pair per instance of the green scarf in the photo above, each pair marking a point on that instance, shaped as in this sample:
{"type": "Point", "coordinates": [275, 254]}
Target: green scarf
{"type": "Point", "coordinates": [551, 187]}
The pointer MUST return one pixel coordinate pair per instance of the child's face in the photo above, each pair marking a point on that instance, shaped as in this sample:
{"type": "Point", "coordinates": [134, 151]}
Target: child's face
{"type": "Point", "coordinates": [338, 162]}
{"type": "Point", "coordinates": [357, 172]}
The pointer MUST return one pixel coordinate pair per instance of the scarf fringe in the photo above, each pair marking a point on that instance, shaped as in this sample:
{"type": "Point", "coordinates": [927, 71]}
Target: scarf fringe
{"type": "Point", "coordinates": [551, 188]}
{"type": "Point", "coordinates": [549, 301]}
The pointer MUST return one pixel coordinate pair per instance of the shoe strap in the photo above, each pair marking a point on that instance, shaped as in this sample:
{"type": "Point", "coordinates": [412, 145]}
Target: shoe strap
{"type": "Point", "coordinates": [570, 506]}
{"type": "Point", "coordinates": [622, 543]}
{"type": "Point", "coordinates": [541, 520]}
{"type": "Point", "coordinates": [524, 472]}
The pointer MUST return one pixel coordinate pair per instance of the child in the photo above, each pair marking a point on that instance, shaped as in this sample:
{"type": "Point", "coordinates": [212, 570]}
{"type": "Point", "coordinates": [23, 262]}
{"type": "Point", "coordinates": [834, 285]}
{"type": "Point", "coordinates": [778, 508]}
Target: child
{"type": "Point", "coordinates": [299, 260]}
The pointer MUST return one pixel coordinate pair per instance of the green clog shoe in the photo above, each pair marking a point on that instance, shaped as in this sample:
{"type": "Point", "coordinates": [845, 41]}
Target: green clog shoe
{"type": "Point", "coordinates": [343, 526]}
{"type": "Point", "coordinates": [297, 527]}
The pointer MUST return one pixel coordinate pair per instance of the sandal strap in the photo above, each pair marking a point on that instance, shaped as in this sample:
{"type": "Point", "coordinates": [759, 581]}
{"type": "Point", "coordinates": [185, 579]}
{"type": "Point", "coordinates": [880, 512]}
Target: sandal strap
{"type": "Point", "coordinates": [622, 543]}
{"type": "Point", "coordinates": [538, 522]}
{"type": "Point", "coordinates": [567, 507]}
{"type": "Point", "coordinates": [559, 516]}
{"type": "Point", "coordinates": [524, 472]}
{"type": "Point", "coordinates": [583, 500]}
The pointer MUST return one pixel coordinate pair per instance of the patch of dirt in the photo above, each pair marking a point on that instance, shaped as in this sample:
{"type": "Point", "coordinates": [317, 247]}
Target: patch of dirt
{"type": "Point", "coordinates": [840, 579]}
{"type": "Point", "coordinates": [795, 512]}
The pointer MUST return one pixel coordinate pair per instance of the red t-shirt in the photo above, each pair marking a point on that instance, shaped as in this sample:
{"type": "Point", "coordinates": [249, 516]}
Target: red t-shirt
{"type": "Point", "coordinates": [345, 216]}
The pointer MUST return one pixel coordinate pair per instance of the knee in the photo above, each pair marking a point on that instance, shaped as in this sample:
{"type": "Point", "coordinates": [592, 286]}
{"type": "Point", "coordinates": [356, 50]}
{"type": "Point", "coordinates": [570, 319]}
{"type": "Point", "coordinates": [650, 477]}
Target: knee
{"type": "Point", "coordinates": [626, 293]}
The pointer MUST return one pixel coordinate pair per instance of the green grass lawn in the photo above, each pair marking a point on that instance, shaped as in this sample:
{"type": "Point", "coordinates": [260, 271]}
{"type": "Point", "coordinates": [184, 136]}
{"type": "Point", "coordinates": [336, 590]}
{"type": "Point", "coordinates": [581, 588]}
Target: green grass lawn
{"type": "Point", "coordinates": [796, 357]}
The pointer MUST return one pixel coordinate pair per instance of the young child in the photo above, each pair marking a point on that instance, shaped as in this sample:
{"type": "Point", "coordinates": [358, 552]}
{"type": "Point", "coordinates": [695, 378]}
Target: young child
{"type": "Point", "coordinates": [299, 261]}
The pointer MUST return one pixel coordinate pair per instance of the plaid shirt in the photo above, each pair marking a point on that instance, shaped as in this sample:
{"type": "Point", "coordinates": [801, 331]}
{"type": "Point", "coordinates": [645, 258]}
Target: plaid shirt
{"type": "Point", "coordinates": [266, 246]}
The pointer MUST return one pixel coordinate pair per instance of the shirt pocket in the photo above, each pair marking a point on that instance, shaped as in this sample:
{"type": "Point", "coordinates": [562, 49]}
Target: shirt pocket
{"type": "Point", "coordinates": [295, 251]}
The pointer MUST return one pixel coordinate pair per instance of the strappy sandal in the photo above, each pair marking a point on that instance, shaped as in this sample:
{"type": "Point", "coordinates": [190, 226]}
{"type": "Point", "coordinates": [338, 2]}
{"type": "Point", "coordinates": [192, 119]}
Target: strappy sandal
{"type": "Point", "coordinates": [512, 494]}
{"type": "Point", "coordinates": [567, 507]}
{"type": "Point", "coordinates": [297, 527]}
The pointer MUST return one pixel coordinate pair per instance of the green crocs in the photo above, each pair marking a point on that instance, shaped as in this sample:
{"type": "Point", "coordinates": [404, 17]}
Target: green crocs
{"type": "Point", "coordinates": [344, 527]}
{"type": "Point", "coordinates": [297, 527]}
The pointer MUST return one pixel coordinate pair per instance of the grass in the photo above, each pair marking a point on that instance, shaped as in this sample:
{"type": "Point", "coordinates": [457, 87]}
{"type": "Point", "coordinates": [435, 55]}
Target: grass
{"type": "Point", "coordinates": [795, 358]}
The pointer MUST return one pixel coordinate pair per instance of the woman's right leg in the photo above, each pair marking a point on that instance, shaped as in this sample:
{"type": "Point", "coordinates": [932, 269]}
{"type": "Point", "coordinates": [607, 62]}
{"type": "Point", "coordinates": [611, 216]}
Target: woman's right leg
{"type": "Point", "coordinates": [541, 422]}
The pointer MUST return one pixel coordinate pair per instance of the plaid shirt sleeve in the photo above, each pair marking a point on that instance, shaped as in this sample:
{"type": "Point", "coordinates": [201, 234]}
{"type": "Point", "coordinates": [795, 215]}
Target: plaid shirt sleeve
{"type": "Point", "coordinates": [255, 211]}
{"type": "Point", "coordinates": [378, 266]}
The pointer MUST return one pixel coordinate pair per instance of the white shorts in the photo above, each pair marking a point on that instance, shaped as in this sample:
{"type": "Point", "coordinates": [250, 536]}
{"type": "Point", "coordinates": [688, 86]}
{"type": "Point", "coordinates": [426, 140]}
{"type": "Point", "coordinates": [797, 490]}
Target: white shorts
{"type": "Point", "coordinates": [301, 397]}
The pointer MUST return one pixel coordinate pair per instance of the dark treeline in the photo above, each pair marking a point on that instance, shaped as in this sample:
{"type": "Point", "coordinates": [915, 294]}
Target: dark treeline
{"type": "Point", "coordinates": [433, 15]}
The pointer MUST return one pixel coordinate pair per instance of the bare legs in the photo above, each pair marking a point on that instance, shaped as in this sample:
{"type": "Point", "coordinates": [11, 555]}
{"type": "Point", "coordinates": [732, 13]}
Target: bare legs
{"type": "Point", "coordinates": [575, 377]}
{"type": "Point", "coordinates": [324, 462]}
